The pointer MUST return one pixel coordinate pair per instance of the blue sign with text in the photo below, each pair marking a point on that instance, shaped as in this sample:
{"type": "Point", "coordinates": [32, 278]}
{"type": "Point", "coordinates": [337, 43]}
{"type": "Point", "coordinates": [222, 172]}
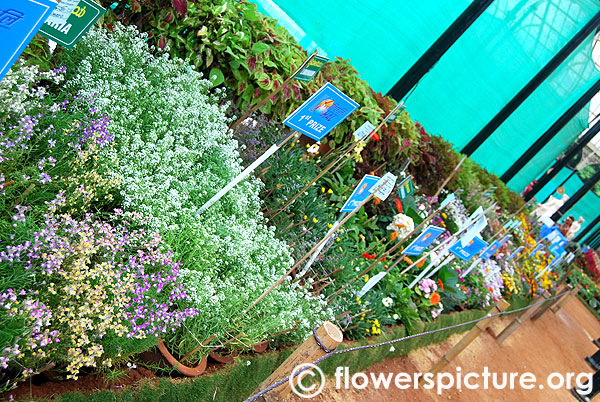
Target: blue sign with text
{"type": "Point", "coordinates": [321, 113]}
{"type": "Point", "coordinates": [556, 249]}
{"type": "Point", "coordinates": [424, 240]}
{"type": "Point", "coordinates": [536, 249]}
{"type": "Point", "coordinates": [19, 22]}
{"type": "Point", "coordinates": [360, 193]}
{"type": "Point", "coordinates": [491, 250]}
{"type": "Point", "coordinates": [514, 254]}
{"type": "Point", "coordinates": [471, 249]}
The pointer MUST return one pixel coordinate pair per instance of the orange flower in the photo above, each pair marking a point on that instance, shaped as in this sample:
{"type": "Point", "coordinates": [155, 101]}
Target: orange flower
{"type": "Point", "coordinates": [441, 284]}
{"type": "Point", "coordinates": [434, 299]}
{"type": "Point", "coordinates": [421, 263]}
{"type": "Point", "coordinates": [406, 259]}
{"type": "Point", "coordinates": [375, 136]}
{"type": "Point", "coordinates": [393, 235]}
{"type": "Point", "coordinates": [377, 200]}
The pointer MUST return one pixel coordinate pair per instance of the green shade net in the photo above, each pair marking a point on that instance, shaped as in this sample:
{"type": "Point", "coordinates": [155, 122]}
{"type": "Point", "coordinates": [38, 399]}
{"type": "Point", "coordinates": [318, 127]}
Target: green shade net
{"type": "Point", "coordinates": [488, 65]}
{"type": "Point", "coordinates": [586, 207]}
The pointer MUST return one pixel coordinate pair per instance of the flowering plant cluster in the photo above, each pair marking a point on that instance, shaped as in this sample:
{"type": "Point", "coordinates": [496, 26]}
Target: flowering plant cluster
{"type": "Point", "coordinates": [172, 152]}
{"type": "Point", "coordinates": [91, 280]}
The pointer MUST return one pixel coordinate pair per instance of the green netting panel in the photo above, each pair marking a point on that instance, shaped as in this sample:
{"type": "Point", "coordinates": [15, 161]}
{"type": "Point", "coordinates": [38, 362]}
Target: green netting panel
{"type": "Point", "coordinates": [496, 57]}
{"type": "Point", "coordinates": [382, 38]}
{"type": "Point", "coordinates": [541, 109]}
{"type": "Point", "coordinates": [586, 207]}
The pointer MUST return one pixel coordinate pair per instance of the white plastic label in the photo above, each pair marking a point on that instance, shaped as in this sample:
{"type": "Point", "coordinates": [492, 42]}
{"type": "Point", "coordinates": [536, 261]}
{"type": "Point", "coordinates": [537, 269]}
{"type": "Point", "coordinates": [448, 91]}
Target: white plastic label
{"type": "Point", "coordinates": [363, 131]}
{"type": "Point", "coordinates": [384, 186]}
{"type": "Point", "coordinates": [62, 12]}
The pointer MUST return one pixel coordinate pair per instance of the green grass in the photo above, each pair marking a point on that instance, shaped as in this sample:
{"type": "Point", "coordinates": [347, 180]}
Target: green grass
{"type": "Point", "coordinates": [237, 381]}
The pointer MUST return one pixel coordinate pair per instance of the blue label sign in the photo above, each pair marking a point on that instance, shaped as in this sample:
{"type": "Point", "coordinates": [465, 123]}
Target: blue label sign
{"type": "Point", "coordinates": [360, 193]}
{"type": "Point", "coordinates": [556, 249]}
{"type": "Point", "coordinates": [471, 249]}
{"type": "Point", "coordinates": [514, 253]}
{"type": "Point", "coordinates": [536, 249]}
{"type": "Point", "coordinates": [19, 22]}
{"type": "Point", "coordinates": [321, 113]}
{"type": "Point", "coordinates": [491, 250]}
{"type": "Point", "coordinates": [424, 240]}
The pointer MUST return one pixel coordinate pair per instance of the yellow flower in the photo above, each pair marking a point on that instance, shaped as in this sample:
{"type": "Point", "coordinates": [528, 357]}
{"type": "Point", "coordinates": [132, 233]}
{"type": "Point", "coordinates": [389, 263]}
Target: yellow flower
{"type": "Point", "coordinates": [315, 220]}
{"type": "Point", "coordinates": [366, 278]}
{"type": "Point", "coordinates": [330, 191]}
{"type": "Point", "coordinates": [444, 215]}
{"type": "Point", "coordinates": [329, 225]}
{"type": "Point", "coordinates": [305, 217]}
{"type": "Point", "coordinates": [338, 239]}
{"type": "Point", "coordinates": [322, 189]}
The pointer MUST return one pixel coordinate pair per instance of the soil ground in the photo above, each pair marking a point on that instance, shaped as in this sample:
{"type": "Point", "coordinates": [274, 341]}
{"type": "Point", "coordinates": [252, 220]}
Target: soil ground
{"type": "Point", "coordinates": [554, 343]}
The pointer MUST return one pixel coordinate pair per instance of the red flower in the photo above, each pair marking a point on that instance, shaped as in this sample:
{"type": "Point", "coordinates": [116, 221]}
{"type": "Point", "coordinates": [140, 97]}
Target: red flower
{"type": "Point", "coordinates": [368, 256]}
{"type": "Point", "coordinates": [375, 136]}
{"type": "Point", "coordinates": [441, 284]}
{"type": "Point", "coordinates": [399, 205]}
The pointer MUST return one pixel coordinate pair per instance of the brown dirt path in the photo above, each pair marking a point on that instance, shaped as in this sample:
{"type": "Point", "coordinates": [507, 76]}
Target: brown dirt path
{"type": "Point", "coordinates": [555, 343]}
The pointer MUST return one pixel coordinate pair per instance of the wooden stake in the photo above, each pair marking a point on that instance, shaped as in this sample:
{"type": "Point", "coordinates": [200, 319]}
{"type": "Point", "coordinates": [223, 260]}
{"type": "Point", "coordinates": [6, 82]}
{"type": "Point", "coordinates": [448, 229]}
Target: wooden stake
{"type": "Point", "coordinates": [449, 177]}
{"type": "Point", "coordinates": [561, 303]}
{"type": "Point", "coordinates": [335, 161]}
{"type": "Point", "coordinates": [520, 319]}
{"type": "Point", "coordinates": [330, 336]}
{"type": "Point", "coordinates": [312, 250]}
{"type": "Point", "coordinates": [473, 334]}
{"type": "Point", "coordinates": [540, 312]}
{"type": "Point", "coordinates": [275, 92]}
{"type": "Point", "coordinates": [247, 171]}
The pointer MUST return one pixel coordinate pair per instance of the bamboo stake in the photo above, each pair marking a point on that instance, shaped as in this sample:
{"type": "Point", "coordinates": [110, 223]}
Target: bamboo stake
{"type": "Point", "coordinates": [273, 93]}
{"type": "Point", "coordinates": [297, 264]}
{"type": "Point", "coordinates": [449, 177]}
{"type": "Point", "coordinates": [335, 161]}
{"type": "Point", "coordinates": [247, 171]}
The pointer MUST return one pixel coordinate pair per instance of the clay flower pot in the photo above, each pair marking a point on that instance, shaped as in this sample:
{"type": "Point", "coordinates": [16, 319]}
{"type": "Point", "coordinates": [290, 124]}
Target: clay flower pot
{"type": "Point", "coordinates": [183, 369]}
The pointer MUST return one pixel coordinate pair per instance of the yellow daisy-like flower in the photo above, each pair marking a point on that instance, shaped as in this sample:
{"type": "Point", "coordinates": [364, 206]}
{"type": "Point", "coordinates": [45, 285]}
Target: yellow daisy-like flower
{"type": "Point", "coordinates": [322, 189]}
{"type": "Point", "coordinates": [366, 278]}
{"type": "Point", "coordinates": [305, 217]}
{"type": "Point", "coordinates": [338, 239]}
{"type": "Point", "coordinates": [315, 220]}
{"type": "Point", "coordinates": [330, 191]}
{"type": "Point", "coordinates": [329, 225]}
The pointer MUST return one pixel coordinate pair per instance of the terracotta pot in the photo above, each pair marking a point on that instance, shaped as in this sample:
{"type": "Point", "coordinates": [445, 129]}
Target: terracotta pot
{"type": "Point", "coordinates": [224, 359]}
{"type": "Point", "coordinates": [260, 347]}
{"type": "Point", "coordinates": [183, 369]}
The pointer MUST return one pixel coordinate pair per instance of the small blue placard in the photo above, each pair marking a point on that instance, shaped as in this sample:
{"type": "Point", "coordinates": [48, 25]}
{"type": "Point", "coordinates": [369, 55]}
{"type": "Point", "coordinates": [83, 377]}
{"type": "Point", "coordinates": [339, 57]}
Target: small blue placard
{"type": "Point", "coordinates": [466, 253]}
{"type": "Point", "coordinates": [514, 253]}
{"type": "Point", "coordinates": [360, 193]}
{"type": "Point", "coordinates": [321, 113]}
{"type": "Point", "coordinates": [19, 22]}
{"type": "Point", "coordinates": [491, 250]}
{"type": "Point", "coordinates": [536, 249]}
{"type": "Point", "coordinates": [424, 240]}
{"type": "Point", "coordinates": [556, 249]}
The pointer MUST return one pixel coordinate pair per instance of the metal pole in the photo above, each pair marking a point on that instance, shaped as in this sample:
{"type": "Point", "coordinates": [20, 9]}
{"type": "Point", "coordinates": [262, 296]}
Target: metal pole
{"type": "Point", "coordinates": [438, 49]}
{"type": "Point", "coordinates": [587, 186]}
{"type": "Point", "coordinates": [563, 160]}
{"type": "Point", "coordinates": [587, 229]}
{"type": "Point", "coordinates": [550, 133]}
{"type": "Point", "coordinates": [531, 86]}
{"type": "Point", "coordinates": [560, 185]}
